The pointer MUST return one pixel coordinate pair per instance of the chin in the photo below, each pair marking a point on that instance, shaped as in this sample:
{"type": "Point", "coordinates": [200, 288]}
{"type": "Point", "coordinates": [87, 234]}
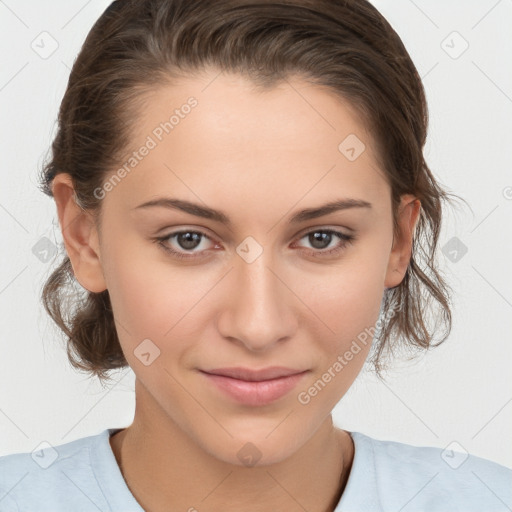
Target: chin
{"type": "Point", "coordinates": [254, 447]}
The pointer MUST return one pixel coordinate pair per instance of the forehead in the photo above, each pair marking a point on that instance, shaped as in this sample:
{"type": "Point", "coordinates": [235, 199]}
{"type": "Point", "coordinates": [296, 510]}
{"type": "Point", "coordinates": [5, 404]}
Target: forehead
{"type": "Point", "coordinates": [215, 134]}
{"type": "Point", "coordinates": [233, 110]}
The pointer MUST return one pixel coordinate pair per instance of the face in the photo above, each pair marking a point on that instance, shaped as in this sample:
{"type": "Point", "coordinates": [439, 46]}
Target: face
{"type": "Point", "coordinates": [254, 285]}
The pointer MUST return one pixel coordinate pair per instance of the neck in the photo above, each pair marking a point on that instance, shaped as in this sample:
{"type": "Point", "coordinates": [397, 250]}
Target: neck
{"type": "Point", "coordinates": [162, 465]}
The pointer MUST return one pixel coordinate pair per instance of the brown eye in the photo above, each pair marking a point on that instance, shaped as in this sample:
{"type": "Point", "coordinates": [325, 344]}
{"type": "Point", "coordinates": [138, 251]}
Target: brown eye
{"type": "Point", "coordinates": [188, 240]}
{"type": "Point", "coordinates": [184, 240]}
{"type": "Point", "coordinates": [321, 239]}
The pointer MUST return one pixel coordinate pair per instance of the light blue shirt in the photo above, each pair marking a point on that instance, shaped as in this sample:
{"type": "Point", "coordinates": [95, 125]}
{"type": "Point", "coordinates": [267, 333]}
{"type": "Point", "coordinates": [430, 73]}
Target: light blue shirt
{"type": "Point", "coordinates": [386, 476]}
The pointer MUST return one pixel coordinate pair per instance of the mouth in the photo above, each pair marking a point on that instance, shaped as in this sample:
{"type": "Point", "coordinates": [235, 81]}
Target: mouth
{"type": "Point", "coordinates": [254, 387]}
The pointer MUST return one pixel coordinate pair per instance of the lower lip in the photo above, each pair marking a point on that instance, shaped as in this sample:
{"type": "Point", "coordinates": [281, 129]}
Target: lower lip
{"type": "Point", "coordinates": [255, 393]}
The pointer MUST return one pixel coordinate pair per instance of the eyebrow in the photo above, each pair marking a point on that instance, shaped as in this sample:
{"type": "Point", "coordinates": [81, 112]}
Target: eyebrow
{"type": "Point", "coordinates": [219, 216]}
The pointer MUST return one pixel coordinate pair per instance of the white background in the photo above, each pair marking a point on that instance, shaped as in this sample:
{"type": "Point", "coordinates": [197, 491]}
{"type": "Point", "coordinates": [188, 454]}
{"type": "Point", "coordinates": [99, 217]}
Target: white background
{"type": "Point", "coordinates": [458, 392]}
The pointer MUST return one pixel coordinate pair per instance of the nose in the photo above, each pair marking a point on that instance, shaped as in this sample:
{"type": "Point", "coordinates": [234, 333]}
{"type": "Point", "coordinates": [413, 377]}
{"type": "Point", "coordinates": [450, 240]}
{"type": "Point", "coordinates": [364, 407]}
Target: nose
{"type": "Point", "coordinates": [260, 308]}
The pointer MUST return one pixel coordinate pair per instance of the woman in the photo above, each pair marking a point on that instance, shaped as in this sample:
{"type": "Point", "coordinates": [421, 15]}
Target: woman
{"type": "Point", "coordinates": [243, 195]}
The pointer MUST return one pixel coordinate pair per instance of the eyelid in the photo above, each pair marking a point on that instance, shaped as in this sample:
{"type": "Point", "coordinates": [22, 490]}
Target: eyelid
{"type": "Point", "coordinates": [206, 232]}
{"type": "Point", "coordinates": [164, 241]}
{"type": "Point", "coordinates": [184, 227]}
{"type": "Point", "coordinates": [344, 240]}
{"type": "Point", "coordinates": [325, 227]}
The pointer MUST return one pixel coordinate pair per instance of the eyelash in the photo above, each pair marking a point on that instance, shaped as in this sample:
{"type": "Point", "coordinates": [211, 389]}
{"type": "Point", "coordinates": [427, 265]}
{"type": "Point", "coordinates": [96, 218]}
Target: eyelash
{"type": "Point", "coordinates": [345, 241]}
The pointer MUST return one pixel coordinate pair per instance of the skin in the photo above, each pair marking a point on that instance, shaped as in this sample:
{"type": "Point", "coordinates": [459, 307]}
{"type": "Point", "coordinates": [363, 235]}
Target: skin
{"type": "Point", "coordinates": [270, 154]}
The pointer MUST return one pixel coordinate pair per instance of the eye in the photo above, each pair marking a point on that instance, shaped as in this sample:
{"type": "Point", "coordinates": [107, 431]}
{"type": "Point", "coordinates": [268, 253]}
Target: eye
{"type": "Point", "coordinates": [321, 239]}
{"type": "Point", "coordinates": [188, 240]}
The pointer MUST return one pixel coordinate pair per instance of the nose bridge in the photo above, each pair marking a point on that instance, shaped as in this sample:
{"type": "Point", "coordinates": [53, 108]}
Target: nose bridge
{"type": "Point", "coordinates": [259, 311]}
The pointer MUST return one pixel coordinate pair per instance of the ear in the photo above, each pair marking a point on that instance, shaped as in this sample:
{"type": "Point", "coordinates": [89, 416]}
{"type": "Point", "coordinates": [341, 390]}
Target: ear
{"type": "Point", "coordinates": [79, 234]}
{"type": "Point", "coordinates": [400, 256]}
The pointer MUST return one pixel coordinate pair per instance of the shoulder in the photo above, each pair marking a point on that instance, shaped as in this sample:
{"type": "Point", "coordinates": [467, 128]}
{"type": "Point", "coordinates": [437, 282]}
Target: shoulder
{"type": "Point", "coordinates": [50, 478]}
{"type": "Point", "coordinates": [430, 478]}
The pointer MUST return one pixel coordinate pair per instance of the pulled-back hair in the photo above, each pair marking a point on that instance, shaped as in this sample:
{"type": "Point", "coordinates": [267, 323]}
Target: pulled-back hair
{"type": "Point", "coordinates": [344, 45]}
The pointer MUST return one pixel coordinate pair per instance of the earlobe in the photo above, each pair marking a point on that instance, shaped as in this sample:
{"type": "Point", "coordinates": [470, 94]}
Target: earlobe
{"type": "Point", "coordinates": [400, 255]}
{"type": "Point", "coordinates": [80, 235]}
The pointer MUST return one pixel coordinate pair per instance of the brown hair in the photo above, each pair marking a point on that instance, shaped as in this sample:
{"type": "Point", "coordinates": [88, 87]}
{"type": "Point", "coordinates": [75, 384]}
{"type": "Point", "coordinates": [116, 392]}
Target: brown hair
{"type": "Point", "coordinates": [345, 45]}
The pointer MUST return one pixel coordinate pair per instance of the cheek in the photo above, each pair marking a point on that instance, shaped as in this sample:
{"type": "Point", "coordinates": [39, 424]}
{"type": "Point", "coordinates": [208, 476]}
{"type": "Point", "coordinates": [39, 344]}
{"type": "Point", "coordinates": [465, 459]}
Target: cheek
{"type": "Point", "coordinates": [346, 299]}
{"type": "Point", "coordinates": [154, 299]}
{"type": "Point", "coordinates": [348, 304]}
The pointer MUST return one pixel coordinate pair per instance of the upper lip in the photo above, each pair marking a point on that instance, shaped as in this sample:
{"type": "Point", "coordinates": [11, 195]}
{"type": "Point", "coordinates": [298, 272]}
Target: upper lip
{"type": "Point", "coordinates": [272, 372]}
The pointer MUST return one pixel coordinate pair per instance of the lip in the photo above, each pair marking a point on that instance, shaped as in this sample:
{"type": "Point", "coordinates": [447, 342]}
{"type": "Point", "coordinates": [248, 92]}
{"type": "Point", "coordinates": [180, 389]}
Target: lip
{"type": "Point", "coordinates": [255, 387]}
